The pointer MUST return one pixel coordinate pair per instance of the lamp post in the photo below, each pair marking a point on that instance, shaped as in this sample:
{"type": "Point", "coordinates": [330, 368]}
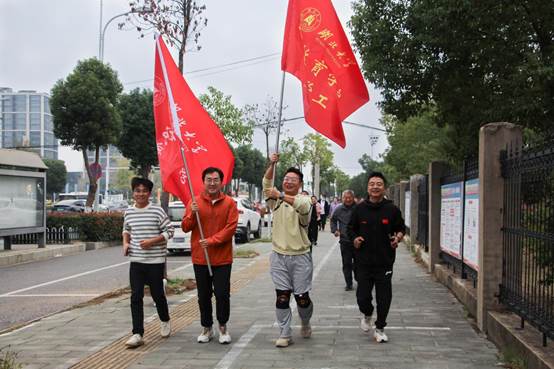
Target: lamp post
{"type": "Point", "coordinates": [372, 141]}
{"type": "Point", "coordinates": [101, 58]}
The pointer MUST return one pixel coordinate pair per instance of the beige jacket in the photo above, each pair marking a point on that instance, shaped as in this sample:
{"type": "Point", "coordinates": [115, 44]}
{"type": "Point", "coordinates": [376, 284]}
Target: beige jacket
{"type": "Point", "coordinates": [290, 224]}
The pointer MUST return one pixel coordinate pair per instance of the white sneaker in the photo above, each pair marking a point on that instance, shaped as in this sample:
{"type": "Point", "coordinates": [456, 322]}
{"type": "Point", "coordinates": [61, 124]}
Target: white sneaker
{"type": "Point", "coordinates": [134, 341]}
{"type": "Point", "coordinates": [380, 336]}
{"type": "Point", "coordinates": [206, 335]}
{"type": "Point", "coordinates": [224, 336]}
{"type": "Point", "coordinates": [283, 342]}
{"type": "Point", "coordinates": [365, 323]}
{"type": "Point", "coordinates": [165, 329]}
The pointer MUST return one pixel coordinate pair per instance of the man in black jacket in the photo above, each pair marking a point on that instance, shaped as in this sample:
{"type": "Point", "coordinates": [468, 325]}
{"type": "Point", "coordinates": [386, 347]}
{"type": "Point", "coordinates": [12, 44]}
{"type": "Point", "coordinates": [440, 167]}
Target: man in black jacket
{"type": "Point", "coordinates": [339, 227]}
{"type": "Point", "coordinates": [376, 227]}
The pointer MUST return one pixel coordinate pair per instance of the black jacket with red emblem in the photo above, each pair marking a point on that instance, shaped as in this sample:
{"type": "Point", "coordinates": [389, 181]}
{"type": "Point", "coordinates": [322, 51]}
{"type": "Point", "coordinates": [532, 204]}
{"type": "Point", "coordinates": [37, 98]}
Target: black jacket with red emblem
{"type": "Point", "coordinates": [376, 223]}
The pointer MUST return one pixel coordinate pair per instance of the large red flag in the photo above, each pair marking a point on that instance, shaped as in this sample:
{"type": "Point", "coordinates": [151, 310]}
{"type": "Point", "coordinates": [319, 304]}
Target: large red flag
{"type": "Point", "coordinates": [317, 52]}
{"type": "Point", "coordinates": [182, 121]}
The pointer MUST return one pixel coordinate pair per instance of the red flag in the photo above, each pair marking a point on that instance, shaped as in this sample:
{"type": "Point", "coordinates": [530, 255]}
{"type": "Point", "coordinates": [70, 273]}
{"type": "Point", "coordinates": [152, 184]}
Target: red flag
{"type": "Point", "coordinates": [317, 52]}
{"type": "Point", "coordinates": [182, 121]}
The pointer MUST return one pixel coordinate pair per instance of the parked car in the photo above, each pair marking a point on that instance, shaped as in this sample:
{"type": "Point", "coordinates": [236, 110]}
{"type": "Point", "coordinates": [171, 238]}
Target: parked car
{"type": "Point", "coordinates": [181, 240]}
{"type": "Point", "coordinates": [70, 206]}
{"type": "Point", "coordinates": [250, 222]}
{"type": "Point", "coordinates": [117, 206]}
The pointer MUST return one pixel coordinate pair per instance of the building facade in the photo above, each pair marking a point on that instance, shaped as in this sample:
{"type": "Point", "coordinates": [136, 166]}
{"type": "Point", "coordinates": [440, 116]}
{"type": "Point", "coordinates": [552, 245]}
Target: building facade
{"type": "Point", "coordinates": [26, 122]}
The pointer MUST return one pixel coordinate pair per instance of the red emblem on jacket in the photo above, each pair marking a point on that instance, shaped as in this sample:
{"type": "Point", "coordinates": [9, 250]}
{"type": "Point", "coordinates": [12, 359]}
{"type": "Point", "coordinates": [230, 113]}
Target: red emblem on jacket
{"type": "Point", "coordinates": [385, 221]}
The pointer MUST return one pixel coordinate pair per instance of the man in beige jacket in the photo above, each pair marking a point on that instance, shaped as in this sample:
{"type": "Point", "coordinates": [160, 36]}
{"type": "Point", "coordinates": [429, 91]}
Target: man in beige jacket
{"type": "Point", "coordinates": [291, 264]}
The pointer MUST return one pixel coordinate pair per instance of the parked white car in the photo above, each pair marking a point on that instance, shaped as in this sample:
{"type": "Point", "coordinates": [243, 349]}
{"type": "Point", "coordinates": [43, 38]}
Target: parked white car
{"type": "Point", "coordinates": [250, 222]}
{"type": "Point", "coordinates": [181, 240]}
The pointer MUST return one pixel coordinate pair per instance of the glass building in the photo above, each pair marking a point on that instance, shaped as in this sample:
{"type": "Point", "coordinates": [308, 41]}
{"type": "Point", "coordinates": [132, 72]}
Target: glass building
{"type": "Point", "coordinates": [26, 122]}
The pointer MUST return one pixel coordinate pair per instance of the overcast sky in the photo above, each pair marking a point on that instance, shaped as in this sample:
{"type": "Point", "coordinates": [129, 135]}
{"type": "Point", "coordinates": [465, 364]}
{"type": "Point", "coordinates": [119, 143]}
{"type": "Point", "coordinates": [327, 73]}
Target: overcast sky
{"type": "Point", "coordinates": [41, 41]}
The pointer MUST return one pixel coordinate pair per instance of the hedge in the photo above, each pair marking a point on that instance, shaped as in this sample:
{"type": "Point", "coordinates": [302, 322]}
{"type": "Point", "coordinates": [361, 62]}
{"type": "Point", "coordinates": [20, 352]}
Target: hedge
{"type": "Point", "coordinates": [91, 226]}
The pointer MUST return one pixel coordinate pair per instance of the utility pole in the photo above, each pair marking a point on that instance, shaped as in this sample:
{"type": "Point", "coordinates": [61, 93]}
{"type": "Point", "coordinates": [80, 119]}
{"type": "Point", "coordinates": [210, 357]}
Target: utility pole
{"type": "Point", "coordinates": [372, 141]}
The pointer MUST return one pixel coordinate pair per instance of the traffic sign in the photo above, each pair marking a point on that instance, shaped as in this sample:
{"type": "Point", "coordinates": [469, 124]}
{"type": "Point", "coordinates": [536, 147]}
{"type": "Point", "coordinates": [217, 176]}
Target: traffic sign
{"type": "Point", "coordinates": [96, 170]}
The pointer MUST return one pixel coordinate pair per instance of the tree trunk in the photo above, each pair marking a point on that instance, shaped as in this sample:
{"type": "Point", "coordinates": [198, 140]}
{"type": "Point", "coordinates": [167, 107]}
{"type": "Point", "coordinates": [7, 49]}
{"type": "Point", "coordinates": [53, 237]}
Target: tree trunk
{"type": "Point", "coordinates": [144, 172]}
{"type": "Point", "coordinates": [164, 201]}
{"type": "Point", "coordinates": [93, 185]}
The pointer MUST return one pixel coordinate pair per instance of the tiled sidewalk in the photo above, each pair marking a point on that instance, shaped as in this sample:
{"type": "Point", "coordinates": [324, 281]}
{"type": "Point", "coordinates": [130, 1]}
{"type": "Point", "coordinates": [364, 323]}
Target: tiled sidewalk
{"type": "Point", "coordinates": [427, 327]}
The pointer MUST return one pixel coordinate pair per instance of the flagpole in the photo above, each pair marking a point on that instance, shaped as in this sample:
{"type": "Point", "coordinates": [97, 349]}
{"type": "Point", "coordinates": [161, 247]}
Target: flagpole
{"type": "Point", "coordinates": [278, 127]}
{"type": "Point", "coordinates": [197, 215]}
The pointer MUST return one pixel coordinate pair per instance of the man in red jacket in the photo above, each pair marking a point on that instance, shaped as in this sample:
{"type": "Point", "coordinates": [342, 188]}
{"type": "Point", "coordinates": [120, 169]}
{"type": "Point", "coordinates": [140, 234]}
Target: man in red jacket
{"type": "Point", "coordinates": [218, 217]}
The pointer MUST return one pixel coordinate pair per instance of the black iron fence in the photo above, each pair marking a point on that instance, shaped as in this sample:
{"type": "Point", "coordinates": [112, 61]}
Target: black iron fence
{"type": "Point", "coordinates": [54, 235]}
{"type": "Point", "coordinates": [423, 212]}
{"type": "Point", "coordinates": [527, 286]}
{"type": "Point", "coordinates": [468, 171]}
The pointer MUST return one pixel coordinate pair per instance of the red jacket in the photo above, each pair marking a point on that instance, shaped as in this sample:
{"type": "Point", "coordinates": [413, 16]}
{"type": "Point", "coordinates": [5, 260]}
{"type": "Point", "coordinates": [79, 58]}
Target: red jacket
{"type": "Point", "coordinates": [219, 223]}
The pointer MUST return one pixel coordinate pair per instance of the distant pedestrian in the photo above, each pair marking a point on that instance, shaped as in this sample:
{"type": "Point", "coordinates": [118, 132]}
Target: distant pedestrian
{"type": "Point", "coordinates": [219, 217]}
{"type": "Point", "coordinates": [339, 227]}
{"type": "Point", "coordinates": [146, 229]}
{"type": "Point", "coordinates": [315, 217]}
{"type": "Point", "coordinates": [376, 227]}
{"type": "Point", "coordinates": [291, 264]}
{"type": "Point", "coordinates": [334, 204]}
{"type": "Point", "coordinates": [325, 207]}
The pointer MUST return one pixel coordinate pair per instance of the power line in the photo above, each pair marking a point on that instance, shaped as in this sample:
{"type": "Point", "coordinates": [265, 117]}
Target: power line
{"type": "Point", "coordinates": [345, 122]}
{"type": "Point", "coordinates": [267, 57]}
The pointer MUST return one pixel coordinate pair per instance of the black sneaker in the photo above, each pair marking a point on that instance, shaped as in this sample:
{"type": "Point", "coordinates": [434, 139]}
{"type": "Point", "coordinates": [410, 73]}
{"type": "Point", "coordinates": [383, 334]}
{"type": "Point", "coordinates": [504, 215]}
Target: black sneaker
{"type": "Point", "coordinates": [348, 288]}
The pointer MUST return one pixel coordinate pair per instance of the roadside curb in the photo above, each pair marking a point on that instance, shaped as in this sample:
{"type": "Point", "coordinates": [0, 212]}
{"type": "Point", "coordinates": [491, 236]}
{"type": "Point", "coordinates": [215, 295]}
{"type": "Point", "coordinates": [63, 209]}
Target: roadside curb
{"type": "Point", "coordinates": [14, 257]}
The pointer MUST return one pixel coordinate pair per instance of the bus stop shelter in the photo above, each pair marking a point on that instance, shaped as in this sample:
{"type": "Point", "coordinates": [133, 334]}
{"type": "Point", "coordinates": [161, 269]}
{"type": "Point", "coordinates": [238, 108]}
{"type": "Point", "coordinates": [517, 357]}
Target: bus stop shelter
{"type": "Point", "coordinates": [22, 195]}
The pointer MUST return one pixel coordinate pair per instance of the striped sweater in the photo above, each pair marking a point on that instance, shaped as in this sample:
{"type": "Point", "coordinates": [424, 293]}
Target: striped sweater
{"type": "Point", "coordinates": [144, 223]}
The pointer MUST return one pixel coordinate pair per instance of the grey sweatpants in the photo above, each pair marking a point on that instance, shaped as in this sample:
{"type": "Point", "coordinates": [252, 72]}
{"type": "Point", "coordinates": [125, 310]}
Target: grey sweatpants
{"type": "Point", "coordinates": [292, 273]}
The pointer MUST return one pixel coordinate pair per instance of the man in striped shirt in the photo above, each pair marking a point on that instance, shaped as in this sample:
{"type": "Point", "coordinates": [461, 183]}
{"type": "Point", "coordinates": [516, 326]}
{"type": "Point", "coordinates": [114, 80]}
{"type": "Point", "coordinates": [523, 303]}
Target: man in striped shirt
{"type": "Point", "coordinates": [146, 229]}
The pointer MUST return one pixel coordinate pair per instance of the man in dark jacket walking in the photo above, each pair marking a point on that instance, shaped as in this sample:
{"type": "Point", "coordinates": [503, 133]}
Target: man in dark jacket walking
{"type": "Point", "coordinates": [339, 224]}
{"type": "Point", "coordinates": [376, 227]}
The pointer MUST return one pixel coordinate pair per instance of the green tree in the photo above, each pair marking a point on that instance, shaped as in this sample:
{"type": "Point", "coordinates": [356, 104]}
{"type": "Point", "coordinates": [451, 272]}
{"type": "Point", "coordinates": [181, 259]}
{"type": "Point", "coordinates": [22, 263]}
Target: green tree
{"type": "Point", "coordinates": [56, 176]}
{"type": "Point", "coordinates": [137, 141]}
{"type": "Point", "coordinates": [253, 166]}
{"type": "Point", "coordinates": [340, 181]}
{"type": "Point", "coordinates": [358, 184]}
{"type": "Point", "coordinates": [291, 154]}
{"type": "Point", "coordinates": [230, 119]}
{"type": "Point", "coordinates": [123, 179]}
{"type": "Point", "coordinates": [317, 152]}
{"type": "Point", "coordinates": [84, 107]}
{"type": "Point", "coordinates": [414, 143]}
{"type": "Point", "coordinates": [477, 62]}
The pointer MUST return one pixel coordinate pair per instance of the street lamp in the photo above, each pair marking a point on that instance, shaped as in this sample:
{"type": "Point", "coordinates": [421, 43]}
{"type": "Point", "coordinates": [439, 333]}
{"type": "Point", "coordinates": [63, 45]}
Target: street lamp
{"type": "Point", "coordinates": [101, 57]}
{"type": "Point", "coordinates": [103, 31]}
{"type": "Point", "coordinates": [372, 141]}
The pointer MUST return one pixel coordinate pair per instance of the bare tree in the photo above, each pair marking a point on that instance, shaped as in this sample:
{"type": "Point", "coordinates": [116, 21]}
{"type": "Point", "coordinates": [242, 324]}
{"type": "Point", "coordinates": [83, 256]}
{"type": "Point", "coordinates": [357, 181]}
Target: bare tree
{"type": "Point", "coordinates": [265, 118]}
{"type": "Point", "coordinates": [180, 21]}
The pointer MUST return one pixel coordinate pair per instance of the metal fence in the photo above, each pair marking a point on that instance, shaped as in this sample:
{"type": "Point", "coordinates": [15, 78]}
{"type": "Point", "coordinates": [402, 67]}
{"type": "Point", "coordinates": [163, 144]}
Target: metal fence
{"type": "Point", "coordinates": [53, 236]}
{"type": "Point", "coordinates": [527, 286]}
{"type": "Point", "coordinates": [468, 171]}
{"type": "Point", "coordinates": [423, 212]}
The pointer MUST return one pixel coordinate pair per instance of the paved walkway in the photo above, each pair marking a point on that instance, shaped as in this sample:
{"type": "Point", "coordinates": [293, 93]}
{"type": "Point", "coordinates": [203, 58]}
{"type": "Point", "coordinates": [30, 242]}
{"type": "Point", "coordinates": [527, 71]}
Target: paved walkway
{"type": "Point", "coordinates": [427, 328]}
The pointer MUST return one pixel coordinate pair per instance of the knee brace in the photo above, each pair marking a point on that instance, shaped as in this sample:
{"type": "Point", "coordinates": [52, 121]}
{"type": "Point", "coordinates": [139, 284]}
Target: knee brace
{"type": "Point", "coordinates": [283, 298]}
{"type": "Point", "coordinates": [303, 300]}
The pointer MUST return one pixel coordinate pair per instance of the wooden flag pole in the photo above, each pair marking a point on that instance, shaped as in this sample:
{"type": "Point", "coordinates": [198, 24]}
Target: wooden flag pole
{"type": "Point", "coordinates": [196, 213]}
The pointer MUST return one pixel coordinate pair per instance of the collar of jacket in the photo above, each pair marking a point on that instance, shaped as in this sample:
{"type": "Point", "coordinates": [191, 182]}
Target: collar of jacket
{"type": "Point", "coordinates": [209, 199]}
